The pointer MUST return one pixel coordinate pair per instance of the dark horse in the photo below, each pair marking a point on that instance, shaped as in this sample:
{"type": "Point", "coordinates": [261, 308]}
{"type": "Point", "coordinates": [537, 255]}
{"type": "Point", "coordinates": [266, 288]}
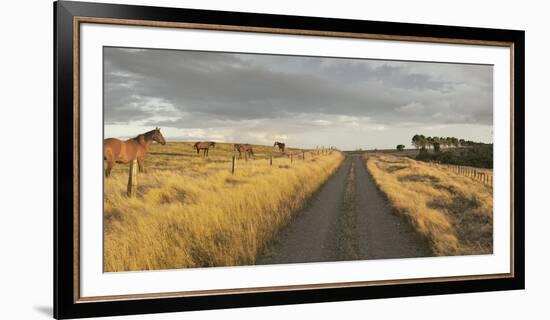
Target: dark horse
{"type": "Point", "coordinates": [244, 148]}
{"type": "Point", "coordinates": [204, 145]}
{"type": "Point", "coordinates": [117, 151]}
{"type": "Point", "coordinates": [280, 145]}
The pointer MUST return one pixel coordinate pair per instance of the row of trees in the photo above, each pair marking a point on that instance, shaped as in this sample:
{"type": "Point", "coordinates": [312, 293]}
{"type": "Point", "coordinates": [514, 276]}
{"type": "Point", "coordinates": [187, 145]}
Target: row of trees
{"type": "Point", "coordinates": [422, 142]}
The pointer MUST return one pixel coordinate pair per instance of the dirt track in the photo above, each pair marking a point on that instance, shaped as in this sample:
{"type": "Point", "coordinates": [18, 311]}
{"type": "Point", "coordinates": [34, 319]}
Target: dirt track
{"type": "Point", "coordinates": [322, 229]}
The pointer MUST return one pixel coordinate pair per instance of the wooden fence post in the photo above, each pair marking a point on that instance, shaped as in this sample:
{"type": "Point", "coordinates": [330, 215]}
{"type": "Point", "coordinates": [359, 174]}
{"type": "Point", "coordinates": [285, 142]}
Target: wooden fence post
{"type": "Point", "coordinates": [303, 155]}
{"type": "Point", "coordinates": [291, 158]}
{"type": "Point", "coordinates": [233, 164]}
{"type": "Point", "coordinates": [132, 179]}
{"type": "Point", "coordinates": [270, 159]}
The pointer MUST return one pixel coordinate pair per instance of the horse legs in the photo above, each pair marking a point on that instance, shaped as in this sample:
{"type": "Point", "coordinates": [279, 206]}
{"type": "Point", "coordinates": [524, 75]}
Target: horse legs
{"type": "Point", "coordinates": [141, 165]}
{"type": "Point", "coordinates": [110, 166]}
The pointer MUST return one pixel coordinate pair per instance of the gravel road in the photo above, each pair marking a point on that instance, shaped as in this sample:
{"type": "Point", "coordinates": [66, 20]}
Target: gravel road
{"type": "Point", "coordinates": [317, 233]}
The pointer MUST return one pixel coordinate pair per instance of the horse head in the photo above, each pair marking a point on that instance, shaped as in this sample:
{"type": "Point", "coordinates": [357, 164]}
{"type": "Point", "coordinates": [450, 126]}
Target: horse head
{"type": "Point", "coordinates": [275, 144]}
{"type": "Point", "coordinates": [212, 144]}
{"type": "Point", "coordinates": [158, 137]}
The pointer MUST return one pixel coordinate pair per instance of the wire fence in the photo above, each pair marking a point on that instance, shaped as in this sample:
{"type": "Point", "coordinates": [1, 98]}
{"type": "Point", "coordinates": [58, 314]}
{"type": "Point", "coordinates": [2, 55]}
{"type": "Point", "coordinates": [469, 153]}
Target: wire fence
{"type": "Point", "coordinates": [288, 157]}
{"type": "Point", "coordinates": [477, 174]}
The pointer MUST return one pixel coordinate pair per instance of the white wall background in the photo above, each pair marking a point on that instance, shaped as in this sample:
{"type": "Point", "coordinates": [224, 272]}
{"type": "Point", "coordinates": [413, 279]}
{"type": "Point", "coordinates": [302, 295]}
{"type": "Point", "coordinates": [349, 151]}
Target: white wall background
{"type": "Point", "coordinates": [26, 177]}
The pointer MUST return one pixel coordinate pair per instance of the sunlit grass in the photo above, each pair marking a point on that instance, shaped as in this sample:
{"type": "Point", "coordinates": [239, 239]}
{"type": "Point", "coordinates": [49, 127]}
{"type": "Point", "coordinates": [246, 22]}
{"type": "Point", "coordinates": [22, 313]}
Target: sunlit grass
{"type": "Point", "coordinates": [191, 211]}
{"type": "Point", "coordinates": [454, 212]}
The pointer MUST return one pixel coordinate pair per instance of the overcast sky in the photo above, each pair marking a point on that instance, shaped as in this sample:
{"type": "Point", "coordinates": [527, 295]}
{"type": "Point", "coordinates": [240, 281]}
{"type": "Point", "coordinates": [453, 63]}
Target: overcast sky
{"type": "Point", "coordinates": [303, 101]}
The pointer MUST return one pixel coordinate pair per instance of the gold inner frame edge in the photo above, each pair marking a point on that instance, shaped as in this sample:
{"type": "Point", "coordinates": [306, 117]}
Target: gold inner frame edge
{"type": "Point", "coordinates": [78, 20]}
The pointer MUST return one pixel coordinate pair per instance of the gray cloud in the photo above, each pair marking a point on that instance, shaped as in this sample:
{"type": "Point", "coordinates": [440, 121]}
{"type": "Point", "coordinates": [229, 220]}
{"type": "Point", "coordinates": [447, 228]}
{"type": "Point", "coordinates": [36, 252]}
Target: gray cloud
{"type": "Point", "coordinates": [249, 96]}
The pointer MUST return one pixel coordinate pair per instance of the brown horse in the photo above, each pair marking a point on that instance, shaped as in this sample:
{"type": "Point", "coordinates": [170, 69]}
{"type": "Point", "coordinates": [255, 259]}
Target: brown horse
{"type": "Point", "coordinates": [244, 148]}
{"type": "Point", "coordinates": [117, 151]}
{"type": "Point", "coordinates": [280, 145]}
{"type": "Point", "coordinates": [204, 145]}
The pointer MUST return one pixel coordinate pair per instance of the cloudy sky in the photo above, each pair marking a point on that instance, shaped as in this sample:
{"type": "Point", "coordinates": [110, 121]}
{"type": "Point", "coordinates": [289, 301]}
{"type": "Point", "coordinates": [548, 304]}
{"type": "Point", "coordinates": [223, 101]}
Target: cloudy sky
{"type": "Point", "coordinates": [304, 101]}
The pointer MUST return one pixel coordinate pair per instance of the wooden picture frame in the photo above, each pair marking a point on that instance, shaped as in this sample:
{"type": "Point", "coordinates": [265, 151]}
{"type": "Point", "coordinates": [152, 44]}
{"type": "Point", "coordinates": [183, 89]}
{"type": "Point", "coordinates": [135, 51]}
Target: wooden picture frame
{"type": "Point", "coordinates": [69, 16]}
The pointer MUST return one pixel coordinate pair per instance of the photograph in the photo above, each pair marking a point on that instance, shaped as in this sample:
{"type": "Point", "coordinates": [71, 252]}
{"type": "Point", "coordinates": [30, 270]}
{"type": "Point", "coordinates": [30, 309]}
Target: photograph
{"type": "Point", "coordinates": [227, 159]}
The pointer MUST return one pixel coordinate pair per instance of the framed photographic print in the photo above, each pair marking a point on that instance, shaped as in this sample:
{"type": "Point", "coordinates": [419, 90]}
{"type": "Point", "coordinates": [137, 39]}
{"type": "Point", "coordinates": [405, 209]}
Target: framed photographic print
{"type": "Point", "coordinates": [208, 159]}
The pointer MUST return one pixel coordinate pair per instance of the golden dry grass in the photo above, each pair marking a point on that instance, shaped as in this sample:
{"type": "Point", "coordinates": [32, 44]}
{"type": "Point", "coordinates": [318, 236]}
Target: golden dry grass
{"type": "Point", "coordinates": [192, 212]}
{"type": "Point", "coordinates": [454, 212]}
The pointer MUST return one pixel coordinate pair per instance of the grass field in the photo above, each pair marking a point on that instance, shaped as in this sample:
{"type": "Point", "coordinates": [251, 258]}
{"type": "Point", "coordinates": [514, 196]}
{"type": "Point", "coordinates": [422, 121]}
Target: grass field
{"type": "Point", "coordinates": [454, 212]}
{"type": "Point", "coordinates": [192, 211]}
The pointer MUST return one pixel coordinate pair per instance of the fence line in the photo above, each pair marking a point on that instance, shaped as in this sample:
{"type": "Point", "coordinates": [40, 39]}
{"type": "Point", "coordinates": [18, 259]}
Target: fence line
{"type": "Point", "coordinates": [131, 189]}
{"type": "Point", "coordinates": [470, 172]}
{"type": "Point", "coordinates": [300, 154]}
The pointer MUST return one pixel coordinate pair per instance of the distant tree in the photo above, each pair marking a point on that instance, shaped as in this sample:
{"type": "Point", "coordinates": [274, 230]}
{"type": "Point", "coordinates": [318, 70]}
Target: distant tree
{"type": "Point", "coordinates": [449, 141]}
{"type": "Point", "coordinates": [419, 141]}
{"type": "Point", "coordinates": [423, 142]}
{"type": "Point", "coordinates": [443, 142]}
{"type": "Point", "coordinates": [415, 141]}
{"type": "Point", "coordinates": [400, 147]}
{"type": "Point", "coordinates": [429, 142]}
{"type": "Point", "coordinates": [455, 142]}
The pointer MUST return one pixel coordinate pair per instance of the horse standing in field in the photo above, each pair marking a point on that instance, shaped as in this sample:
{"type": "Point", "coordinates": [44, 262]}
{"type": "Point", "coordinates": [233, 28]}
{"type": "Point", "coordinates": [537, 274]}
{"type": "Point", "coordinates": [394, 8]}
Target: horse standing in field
{"type": "Point", "coordinates": [204, 146]}
{"type": "Point", "coordinates": [118, 151]}
{"type": "Point", "coordinates": [280, 145]}
{"type": "Point", "coordinates": [244, 148]}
